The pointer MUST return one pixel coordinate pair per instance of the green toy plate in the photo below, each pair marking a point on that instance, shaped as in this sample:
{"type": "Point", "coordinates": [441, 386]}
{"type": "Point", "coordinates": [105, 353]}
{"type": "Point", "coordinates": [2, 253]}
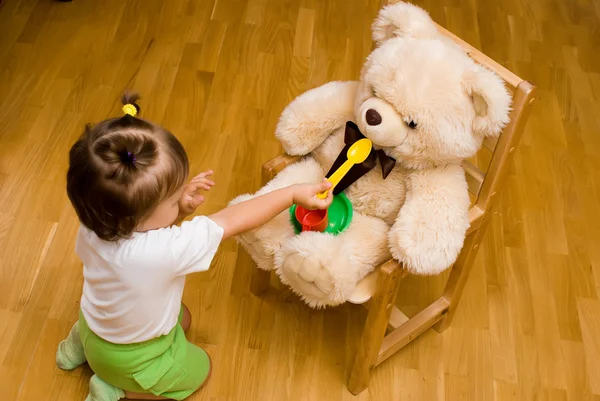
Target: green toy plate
{"type": "Point", "coordinates": [339, 215]}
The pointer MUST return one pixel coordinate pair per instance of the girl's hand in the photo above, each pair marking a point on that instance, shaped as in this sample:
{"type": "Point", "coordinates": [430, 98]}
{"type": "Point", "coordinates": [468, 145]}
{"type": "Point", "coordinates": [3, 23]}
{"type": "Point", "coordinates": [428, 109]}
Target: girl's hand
{"type": "Point", "coordinates": [305, 195]}
{"type": "Point", "coordinates": [191, 198]}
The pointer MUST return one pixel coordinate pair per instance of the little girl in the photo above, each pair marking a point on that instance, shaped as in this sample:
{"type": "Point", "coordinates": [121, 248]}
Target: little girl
{"type": "Point", "coordinates": [126, 181]}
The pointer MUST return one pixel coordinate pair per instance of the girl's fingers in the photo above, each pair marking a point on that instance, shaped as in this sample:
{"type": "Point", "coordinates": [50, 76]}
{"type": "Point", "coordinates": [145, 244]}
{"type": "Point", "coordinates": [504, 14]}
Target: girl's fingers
{"type": "Point", "coordinates": [203, 177]}
{"type": "Point", "coordinates": [205, 174]}
{"type": "Point", "coordinates": [199, 179]}
{"type": "Point", "coordinates": [322, 186]}
{"type": "Point", "coordinates": [324, 203]}
{"type": "Point", "coordinates": [199, 185]}
{"type": "Point", "coordinates": [202, 180]}
{"type": "Point", "coordinates": [197, 200]}
{"type": "Point", "coordinates": [193, 187]}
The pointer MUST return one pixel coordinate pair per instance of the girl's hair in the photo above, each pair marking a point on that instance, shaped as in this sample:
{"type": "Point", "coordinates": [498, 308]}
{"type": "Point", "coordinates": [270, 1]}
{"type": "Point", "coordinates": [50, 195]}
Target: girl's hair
{"type": "Point", "coordinates": [119, 171]}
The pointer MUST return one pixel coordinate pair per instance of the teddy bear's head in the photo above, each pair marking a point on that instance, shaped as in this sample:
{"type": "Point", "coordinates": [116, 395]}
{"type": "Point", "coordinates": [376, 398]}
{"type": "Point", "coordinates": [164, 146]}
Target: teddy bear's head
{"type": "Point", "coordinates": [423, 99]}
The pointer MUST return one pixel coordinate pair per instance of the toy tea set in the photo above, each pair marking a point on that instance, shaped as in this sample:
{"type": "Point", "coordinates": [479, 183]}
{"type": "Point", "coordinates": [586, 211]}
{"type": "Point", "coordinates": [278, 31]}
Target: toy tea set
{"type": "Point", "coordinates": [338, 216]}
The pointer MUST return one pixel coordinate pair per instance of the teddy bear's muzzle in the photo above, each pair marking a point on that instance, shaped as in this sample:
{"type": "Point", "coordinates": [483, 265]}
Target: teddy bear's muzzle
{"type": "Point", "coordinates": [381, 123]}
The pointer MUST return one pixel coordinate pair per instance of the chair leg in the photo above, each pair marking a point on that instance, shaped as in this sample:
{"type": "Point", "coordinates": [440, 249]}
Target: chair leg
{"type": "Point", "coordinates": [458, 277]}
{"type": "Point", "coordinates": [259, 281]}
{"type": "Point", "coordinates": [446, 321]}
{"type": "Point", "coordinates": [380, 309]}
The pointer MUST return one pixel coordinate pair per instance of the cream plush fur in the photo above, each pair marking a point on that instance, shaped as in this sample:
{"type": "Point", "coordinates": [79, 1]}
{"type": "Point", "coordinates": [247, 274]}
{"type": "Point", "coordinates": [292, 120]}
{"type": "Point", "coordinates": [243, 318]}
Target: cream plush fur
{"type": "Point", "coordinates": [417, 215]}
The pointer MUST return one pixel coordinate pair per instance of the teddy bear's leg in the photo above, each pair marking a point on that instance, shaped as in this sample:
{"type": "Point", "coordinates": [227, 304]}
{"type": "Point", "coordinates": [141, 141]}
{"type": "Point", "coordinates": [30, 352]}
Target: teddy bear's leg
{"type": "Point", "coordinates": [262, 243]}
{"type": "Point", "coordinates": [324, 269]}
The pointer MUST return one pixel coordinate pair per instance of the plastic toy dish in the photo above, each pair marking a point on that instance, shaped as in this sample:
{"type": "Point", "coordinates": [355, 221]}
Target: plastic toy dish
{"type": "Point", "coordinates": [339, 216]}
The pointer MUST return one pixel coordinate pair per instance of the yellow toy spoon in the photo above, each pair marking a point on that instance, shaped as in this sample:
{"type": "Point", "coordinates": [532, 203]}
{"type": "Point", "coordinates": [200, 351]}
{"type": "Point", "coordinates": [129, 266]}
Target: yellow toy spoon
{"type": "Point", "coordinates": [358, 153]}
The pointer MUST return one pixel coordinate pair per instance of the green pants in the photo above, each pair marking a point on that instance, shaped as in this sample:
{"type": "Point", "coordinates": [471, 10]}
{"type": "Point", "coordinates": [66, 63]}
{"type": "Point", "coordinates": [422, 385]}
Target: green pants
{"type": "Point", "coordinates": [168, 366]}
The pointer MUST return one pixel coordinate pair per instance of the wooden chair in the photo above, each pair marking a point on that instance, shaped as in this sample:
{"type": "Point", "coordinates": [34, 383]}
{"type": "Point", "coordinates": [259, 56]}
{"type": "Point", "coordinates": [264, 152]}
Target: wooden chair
{"type": "Point", "coordinates": [378, 290]}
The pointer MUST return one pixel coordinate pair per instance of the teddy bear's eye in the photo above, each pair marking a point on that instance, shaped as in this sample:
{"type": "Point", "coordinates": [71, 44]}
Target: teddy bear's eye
{"type": "Point", "coordinates": [412, 124]}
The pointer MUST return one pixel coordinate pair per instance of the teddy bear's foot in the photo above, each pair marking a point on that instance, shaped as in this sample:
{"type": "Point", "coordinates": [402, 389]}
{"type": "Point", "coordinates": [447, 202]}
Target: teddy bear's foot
{"type": "Point", "coordinates": [308, 278]}
{"type": "Point", "coordinates": [324, 269]}
{"type": "Point", "coordinates": [311, 265]}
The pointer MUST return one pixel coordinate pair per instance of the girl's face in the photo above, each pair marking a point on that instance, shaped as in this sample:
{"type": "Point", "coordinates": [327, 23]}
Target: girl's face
{"type": "Point", "coordinates": [165, 214]}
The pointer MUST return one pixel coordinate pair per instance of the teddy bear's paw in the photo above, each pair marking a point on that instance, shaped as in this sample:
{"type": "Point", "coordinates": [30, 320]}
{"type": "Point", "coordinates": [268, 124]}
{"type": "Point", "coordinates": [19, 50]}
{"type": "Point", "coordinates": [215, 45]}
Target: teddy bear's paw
{"type": "Point", "coordinates": [262, 243]}
{"type": "Point", "coordinates": [308, 277]}
{"type": "Point", "coordinates": [424, 257]}
{"type": "Point", "coordinates": [254, 243]}
{"type": "Point", "coordinates": [312, 266]}
{"type": "Point", "coordinates": [256, 250]}
{"type": "Point", "coordinates": [259, 243]}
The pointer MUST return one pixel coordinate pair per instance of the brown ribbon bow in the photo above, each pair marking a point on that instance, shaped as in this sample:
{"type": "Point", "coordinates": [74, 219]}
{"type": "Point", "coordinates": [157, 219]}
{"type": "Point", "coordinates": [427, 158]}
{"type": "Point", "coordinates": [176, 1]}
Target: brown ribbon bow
{"type": "Point", "coordinates": [352, 135]}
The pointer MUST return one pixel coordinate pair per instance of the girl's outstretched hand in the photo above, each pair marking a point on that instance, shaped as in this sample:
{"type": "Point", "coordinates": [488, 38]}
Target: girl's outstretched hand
{"type": "Point", "coordinates": [191, 197]}
{"type": "Point", "coordinates": [305, 195]}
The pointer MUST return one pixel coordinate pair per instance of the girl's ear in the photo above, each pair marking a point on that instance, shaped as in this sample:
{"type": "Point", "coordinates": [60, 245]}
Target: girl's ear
{"type": "Point", "coordinates": [403, 19]}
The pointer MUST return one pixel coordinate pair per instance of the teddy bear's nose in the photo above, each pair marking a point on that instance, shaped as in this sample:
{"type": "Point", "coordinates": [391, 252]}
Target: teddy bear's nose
{"type": "Point", "coordinates": [373, 117]}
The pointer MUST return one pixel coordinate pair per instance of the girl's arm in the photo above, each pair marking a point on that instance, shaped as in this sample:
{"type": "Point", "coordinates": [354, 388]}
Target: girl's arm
{"type": "Point", "coordinates": [255, 212]}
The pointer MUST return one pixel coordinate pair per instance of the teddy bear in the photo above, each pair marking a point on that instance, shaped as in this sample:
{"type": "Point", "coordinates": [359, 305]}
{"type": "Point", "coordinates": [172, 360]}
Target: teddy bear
{"type": "Point", "coordinates": [426, 106]}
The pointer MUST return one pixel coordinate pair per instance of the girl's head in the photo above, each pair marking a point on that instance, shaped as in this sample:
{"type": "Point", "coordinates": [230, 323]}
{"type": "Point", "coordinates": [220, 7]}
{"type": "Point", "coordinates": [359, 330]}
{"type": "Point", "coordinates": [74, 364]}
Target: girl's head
{"type": "Point", "coordinates": [124, 172]}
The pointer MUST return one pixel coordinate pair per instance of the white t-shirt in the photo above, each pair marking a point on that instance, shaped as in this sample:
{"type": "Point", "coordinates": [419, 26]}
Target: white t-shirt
{"type": "Point", "coordinates": [132, 288]}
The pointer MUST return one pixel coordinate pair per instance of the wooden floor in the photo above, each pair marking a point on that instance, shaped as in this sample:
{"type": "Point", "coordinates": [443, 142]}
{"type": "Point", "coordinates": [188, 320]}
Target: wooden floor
{"type": "Point", "coordinates": [218, 73]}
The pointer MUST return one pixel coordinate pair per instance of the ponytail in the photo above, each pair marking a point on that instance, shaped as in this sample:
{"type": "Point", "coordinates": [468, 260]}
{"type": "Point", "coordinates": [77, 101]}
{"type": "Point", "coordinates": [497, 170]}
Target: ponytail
{"type": "Point", "coordinates": [130, 106]}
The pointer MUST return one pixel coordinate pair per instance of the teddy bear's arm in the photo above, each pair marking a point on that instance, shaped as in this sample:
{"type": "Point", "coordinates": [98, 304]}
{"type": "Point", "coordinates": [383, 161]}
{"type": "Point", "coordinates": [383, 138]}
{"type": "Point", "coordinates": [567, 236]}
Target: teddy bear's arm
{"type": "Point", "coordinates": [308, 120]}
{"type": "Point", "coordinates": [430, 229]}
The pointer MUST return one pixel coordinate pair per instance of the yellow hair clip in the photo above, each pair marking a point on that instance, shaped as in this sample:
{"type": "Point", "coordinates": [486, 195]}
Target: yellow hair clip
{"type": "Point", "coordinates": [130, 109]}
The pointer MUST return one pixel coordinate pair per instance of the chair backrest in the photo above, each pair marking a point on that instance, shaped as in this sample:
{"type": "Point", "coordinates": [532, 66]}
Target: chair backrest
{"type": "Point", "coordinates": [486, 172]}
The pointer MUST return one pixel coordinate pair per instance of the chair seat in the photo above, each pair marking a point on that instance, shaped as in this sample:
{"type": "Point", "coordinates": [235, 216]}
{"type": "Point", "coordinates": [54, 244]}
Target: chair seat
{"type": "Point", "coordinates": [364, 289]}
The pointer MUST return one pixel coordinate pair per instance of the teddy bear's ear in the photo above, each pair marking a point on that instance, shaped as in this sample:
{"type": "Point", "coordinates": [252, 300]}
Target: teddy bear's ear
{"type": "Point", "coordinates": [490, 98]}
{"type": "Point", "coordinates": [403, 19]}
